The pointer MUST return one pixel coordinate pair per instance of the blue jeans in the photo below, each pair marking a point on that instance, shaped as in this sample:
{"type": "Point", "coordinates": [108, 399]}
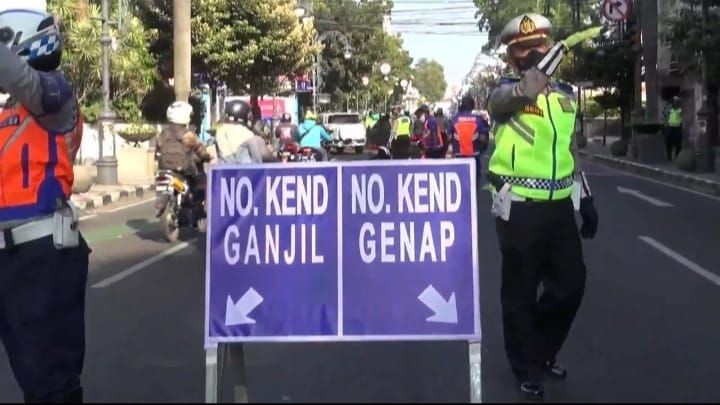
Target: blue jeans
{"type": "Point", "coordinates": [42, 317]}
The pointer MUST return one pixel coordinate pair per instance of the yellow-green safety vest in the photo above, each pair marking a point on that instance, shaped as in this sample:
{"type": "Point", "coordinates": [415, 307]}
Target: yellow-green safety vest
{"type": "Point", "coordinates": [532, 149]}
{"type": "Point", "coordinates": [675, 117]}
{"type": "Point", "coordinates": [403, 126]}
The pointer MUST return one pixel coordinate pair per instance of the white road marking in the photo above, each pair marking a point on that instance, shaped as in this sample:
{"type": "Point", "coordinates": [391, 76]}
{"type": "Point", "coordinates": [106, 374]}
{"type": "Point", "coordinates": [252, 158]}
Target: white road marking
{"type": "Point", "coordinates": [86, 217]}
{"type": "Point", "coordinates": [142, 265]}
{"type": "Point", "coordinates": [712, 277]}
{"type": "Point", "coordinates": [637, 176]}
{"type": "Point", "coordinates": [135, 204]}
{"type": "Point", "coordinates": [644, 197]}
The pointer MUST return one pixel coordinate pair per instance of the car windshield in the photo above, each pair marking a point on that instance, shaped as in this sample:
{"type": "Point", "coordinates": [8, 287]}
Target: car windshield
{"type": "Point", "coordinates": [344, 119]}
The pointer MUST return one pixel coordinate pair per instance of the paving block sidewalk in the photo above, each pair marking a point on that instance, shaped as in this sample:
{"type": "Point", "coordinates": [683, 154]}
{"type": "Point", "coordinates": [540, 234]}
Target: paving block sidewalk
{"type": "Point", "coordinates": [708, 183]}
{"type": "Point", "coordinates": [101, 195]}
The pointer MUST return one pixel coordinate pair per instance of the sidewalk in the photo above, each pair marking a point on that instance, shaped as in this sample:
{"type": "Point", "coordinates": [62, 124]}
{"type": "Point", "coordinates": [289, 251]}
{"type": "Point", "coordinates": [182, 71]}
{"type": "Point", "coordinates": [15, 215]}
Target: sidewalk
{"type": "Point", "coordinates": [101, 195]}
{"type": "Point", "coordinates": [666, 172]}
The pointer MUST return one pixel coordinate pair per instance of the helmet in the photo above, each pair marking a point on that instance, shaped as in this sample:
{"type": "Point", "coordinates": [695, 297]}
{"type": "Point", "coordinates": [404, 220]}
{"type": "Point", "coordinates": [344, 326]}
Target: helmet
{"type": "Point", "coordinates": [179, 112]}
{"type": "Point", "coordinates": [238, 110]}
{"type": "Point", "coordinates": [286, 118]}
{"type": "Point", "coordinates": [310, 115]}
{"type": "Point", "coordinates": [439, 111]}
{"type": "Point", "coordinates": [34, 36]}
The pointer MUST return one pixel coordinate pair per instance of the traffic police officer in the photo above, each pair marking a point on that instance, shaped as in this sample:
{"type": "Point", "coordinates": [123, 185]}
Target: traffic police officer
{"type": "Point", "coordinates": [531, 171]}
{"type": "Point", "coordinates": [400, 146]}
{"type": "Point", "coordinates": [43, 257]}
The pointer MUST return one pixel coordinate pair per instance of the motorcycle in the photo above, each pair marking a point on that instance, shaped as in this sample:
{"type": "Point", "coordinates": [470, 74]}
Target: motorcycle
{"type": "Point", "coordinates": [176, 208]}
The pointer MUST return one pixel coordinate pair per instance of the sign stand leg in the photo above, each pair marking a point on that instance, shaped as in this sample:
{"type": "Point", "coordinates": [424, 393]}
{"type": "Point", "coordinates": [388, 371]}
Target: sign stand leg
{"type": "Point", "coordinates": [236, 354]}
{"type": "Point", "coordinates": [474, 356]}
{"type": "Point", "coordinates": [211, 375]}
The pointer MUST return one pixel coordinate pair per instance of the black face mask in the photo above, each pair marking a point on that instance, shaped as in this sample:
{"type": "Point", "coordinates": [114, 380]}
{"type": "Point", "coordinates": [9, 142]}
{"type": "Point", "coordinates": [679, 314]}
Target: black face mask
{"type": "Point", "coordinates": [531, 60]}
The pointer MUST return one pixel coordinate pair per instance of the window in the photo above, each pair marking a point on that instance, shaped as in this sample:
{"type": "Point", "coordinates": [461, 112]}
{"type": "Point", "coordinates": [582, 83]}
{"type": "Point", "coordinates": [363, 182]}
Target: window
{"type": "Point", "coordinates": [344, 119]}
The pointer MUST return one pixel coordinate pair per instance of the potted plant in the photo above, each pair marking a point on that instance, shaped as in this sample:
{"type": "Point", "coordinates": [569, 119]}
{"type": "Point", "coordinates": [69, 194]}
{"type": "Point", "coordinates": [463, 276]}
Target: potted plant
{"type": "Point", "coordinates": [137, 133]}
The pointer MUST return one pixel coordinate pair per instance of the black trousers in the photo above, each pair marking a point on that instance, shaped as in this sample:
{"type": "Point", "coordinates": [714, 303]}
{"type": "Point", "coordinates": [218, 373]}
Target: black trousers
{"type": "Point", "coordinates": [42, 318]}
{"type": "Point", "coordinates": [673, 142]}
{"type": "Point", "coordinates": [539, 244]}
{"type": "Point", "coordinates": [400, 147]}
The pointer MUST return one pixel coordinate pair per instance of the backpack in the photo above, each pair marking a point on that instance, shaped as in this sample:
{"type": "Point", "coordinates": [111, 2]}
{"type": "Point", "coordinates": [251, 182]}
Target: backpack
{"type": "Point", "coordinates": [173, 154]}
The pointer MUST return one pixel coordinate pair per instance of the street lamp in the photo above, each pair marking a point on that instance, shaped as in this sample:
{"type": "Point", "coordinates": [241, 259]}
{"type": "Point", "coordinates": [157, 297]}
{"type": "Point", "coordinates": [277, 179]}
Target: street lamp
{"type": "Point", "coordinates": [385, 69]}
{"type": "Point", "coordinates": [107, 166]}
{"type": "Point", "coordinates": [300, 12]}
{"type": "Point", "coordinates": [347, 54]}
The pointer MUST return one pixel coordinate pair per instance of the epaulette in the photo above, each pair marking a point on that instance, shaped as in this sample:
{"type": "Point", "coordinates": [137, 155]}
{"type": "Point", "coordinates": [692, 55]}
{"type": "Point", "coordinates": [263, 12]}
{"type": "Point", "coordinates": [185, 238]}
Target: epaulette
{"type": "Point", "coordinates": [564, 88]}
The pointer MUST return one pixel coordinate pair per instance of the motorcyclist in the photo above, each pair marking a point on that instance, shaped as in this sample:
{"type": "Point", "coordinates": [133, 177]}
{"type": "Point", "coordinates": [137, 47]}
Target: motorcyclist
{"type": "Point", "coordinates": [433, 142]}
{"type": "Point", "coordinates": [286, 130]}
{"type": "Point", "coordinates": [181, 151]}
{"type": "Point", "coordinates": [235, 141]}
{"type": "Point", "coordinates": [43, 256]}
{"type": "Point", "coordinates": [311, 134]}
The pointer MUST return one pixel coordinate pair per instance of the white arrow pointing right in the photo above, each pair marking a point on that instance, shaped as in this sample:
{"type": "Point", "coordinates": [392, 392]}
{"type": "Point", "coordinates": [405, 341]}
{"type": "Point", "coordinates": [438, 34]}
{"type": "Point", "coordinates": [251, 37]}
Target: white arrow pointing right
{"type": "Point", "coordinates": [637, 194]}
{"type": "Point", "coordinates": [445, 311]}
{"type": "Point", "coordinates": [237, 313]}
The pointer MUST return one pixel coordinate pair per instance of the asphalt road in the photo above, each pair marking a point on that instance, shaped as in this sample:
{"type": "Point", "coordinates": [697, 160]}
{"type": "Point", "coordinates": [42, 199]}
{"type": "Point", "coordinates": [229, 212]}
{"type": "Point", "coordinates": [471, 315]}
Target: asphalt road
{"type": "Point", "coordinates": [647, 330]}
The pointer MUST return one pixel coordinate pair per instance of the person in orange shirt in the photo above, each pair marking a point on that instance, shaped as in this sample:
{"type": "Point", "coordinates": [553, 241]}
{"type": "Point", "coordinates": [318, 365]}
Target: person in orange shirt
{"type": "Point", "coordinates": [43, 257]}
{"type": "Point", "coordinates": [469, 133]}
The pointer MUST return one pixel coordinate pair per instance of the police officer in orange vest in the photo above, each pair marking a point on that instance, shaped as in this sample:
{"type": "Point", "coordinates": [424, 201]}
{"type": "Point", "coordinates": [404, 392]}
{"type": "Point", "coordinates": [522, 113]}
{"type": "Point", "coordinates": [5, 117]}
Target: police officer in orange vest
{"type": "Point", "coordinates": [43, 257]}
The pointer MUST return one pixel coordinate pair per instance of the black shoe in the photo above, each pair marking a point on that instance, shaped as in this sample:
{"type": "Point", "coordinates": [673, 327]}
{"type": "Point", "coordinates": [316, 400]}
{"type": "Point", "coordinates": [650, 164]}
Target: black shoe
{"type": "Point", "coordinates": [532, 391]}
{"type": "Point", "coordinates": [555, 370]}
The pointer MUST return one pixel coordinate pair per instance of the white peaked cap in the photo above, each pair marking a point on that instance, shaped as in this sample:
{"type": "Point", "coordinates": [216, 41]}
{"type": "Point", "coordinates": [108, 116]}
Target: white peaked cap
{"type": "Point", "coordinates": [40, 5]}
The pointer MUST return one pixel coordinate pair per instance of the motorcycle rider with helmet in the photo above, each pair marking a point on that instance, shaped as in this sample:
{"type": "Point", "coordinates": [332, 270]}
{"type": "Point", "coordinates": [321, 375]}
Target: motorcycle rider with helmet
{"type": "Point", "coordinates": [286, 130]}
{"type": "Point", "coordinates": [181, 151]}
{"type": "Point", "coordinates": [43, 256]}
{"type": "Point", "coordinates": [311, 134]}
{"type": "Point", "coordinates": [235, 140]}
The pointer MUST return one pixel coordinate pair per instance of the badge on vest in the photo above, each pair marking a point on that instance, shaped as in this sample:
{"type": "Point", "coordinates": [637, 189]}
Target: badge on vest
{"type": "Point", "coordinates": [533, 109]}
{"type": "Point", "coordinates": [11, 121]}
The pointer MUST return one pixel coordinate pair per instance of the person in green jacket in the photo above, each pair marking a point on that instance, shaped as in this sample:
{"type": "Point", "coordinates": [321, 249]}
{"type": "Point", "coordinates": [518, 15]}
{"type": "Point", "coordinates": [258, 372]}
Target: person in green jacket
{"type": "Point", "coordinates": [673, 130]}
{"type": "Point", "coordinates": [532, 171]}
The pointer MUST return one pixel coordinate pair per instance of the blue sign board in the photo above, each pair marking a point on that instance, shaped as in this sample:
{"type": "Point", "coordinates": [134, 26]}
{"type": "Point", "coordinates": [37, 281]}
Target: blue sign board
{"type": "Point", "coordinates": [371, 250]}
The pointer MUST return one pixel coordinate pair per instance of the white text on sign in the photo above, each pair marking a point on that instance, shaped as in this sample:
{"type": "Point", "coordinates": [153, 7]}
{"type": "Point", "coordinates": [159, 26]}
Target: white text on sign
{"type": "Point", "coordinates": [288, 195]}
{"type": "Point", "coordinates": [406, 241]}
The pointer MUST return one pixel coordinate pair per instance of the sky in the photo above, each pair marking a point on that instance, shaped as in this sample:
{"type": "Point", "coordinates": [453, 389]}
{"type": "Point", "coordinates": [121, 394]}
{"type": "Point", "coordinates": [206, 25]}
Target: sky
{"type": "Point", "coordinates": [444, 30]}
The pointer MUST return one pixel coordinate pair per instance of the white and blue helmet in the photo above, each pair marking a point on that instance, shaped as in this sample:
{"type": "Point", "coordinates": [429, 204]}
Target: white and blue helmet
{"type": "Point", "coordinates": [34, 35]}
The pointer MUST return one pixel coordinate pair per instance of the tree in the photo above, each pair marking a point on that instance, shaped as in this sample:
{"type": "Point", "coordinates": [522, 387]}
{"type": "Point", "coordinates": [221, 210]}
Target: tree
{"type": "Point", "coordinates": [133, 68]}
{"type": "Point", "coordinates": [361, 23]}
{"type": "Point", "coordinates": [243, 43]}
{"type": "Point", "coordinates": [430, 79]}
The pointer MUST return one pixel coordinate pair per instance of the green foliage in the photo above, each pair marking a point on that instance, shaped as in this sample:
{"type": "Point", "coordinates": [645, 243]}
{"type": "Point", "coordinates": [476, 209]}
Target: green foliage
{"type": "Point", "coordinates": [687, 38]}
{"type": "Point", "coordinates": [361, 23]}
{"type": "Point", "coordinates": [430, 79]}
{"type": "Point", "coordinates": [133, 68]}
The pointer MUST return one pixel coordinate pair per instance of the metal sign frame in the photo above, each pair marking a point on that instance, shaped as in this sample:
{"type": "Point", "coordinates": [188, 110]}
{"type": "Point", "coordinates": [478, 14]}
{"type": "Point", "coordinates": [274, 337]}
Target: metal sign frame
{"type": "Point", "coordinates": [609, 5]}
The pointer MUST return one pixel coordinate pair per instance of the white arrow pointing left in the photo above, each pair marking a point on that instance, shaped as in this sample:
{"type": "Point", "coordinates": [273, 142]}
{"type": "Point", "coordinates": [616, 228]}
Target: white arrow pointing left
{"type": "Point", "coordinates": [445, 311]}
{"type": "Point", "coordinates": [237, 313]}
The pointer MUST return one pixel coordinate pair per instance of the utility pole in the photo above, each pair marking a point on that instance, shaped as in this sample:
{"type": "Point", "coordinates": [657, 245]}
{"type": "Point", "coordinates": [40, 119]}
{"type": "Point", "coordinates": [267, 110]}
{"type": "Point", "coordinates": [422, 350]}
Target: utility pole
{"type": "Point", "coordinates": [182, 47]}
{"type": "Point", "coordinates": [704, 159]}
{"type": "Point", "coordinates": [107, 166]}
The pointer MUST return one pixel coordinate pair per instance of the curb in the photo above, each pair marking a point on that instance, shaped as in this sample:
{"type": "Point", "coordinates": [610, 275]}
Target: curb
{"type": "Point", "coordinates": [679, 179]}
{"type": "Point", "coordinates": [94, 200]}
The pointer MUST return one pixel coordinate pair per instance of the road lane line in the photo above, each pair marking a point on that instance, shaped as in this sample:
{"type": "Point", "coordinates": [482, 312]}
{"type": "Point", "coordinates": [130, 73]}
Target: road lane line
{"type": "Point", "coordinates": [86, 217]}
{"type": "Point", "coordinates": [637, 176]}
{"type": "Point", "coordinates": [142, 265]}
{"type": "Point", "coordinates": [135, 204]}
{"type": "Point", "coordinates": [637, 194]}
{"type": "Point", "coordinates": [712, 277]}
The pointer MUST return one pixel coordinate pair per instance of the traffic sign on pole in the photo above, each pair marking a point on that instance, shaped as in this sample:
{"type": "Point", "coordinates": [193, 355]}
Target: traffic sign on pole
{"type": "Point", "coordinates": [616, 10]}
{"type": "Point", "coordinates": [342, 251]}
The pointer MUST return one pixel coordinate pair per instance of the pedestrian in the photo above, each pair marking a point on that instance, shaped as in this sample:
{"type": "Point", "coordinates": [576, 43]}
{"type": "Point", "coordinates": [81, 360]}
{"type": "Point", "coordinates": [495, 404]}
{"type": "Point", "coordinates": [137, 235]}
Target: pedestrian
{"type": "Point", "coordinates": [400, 144]}
{"type": "Point", "coordinates": [673, 130]}
{"type": "Point", "coordinates": [43, 256]}
{"type": "Point", "coordinates": [531, 171]}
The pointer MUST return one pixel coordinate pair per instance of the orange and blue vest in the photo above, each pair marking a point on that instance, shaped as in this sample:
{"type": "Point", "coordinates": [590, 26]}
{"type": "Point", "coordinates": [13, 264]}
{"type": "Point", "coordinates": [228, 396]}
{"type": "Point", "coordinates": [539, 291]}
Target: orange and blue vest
{"type": "Point", "coordinates": [36, 165]}
{"type": "Point", "coordinates": [466, 129]}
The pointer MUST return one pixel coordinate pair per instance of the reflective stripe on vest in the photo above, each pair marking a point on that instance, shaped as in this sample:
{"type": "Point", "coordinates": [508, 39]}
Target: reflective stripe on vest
{"type": "Point", "coordinates": [36, 165]}
{"type": "Point", "coordinates": [532, 149]}
{"type": "Point", "coordinates": [403, 127]}
{"type": "Point", "coordinates": [675, 117]}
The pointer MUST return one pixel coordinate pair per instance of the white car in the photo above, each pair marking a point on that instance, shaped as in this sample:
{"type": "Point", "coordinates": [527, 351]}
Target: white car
{"type": "Point", "coordinates": [347, 131]}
